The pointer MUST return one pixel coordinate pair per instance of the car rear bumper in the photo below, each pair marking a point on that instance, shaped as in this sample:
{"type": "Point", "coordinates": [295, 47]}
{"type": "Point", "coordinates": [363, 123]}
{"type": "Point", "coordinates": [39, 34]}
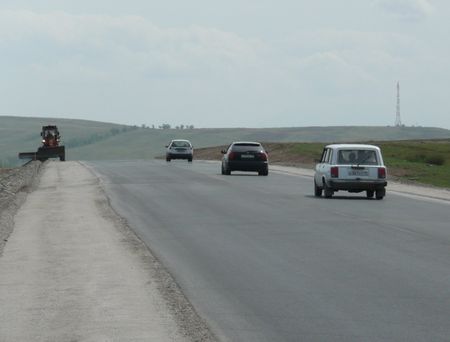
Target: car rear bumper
{"type": "Point", "coordinates": [357, 184]}
{"type": "Point", "coordinates": [254, 165]}
{"type": "Point", "coordinates": [179, 155]}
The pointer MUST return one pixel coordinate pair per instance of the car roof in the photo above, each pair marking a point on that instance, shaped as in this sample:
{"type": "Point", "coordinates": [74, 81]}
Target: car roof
{"type": "Point", "coordinates": [353, 146]}
{"type": "Point", "coordinates": [181, 140]}
{"type": "Point", "coordinates": [246, 142]}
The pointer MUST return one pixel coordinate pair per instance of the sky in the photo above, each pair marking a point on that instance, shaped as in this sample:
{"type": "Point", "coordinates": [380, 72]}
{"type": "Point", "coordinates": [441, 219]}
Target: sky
{"type": "Point", "coordinates": [234, 63]}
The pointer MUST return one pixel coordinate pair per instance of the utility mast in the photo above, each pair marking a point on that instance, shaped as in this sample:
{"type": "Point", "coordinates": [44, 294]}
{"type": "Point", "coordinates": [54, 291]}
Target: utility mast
{"type": "Point", "coordinates": [398, 120]}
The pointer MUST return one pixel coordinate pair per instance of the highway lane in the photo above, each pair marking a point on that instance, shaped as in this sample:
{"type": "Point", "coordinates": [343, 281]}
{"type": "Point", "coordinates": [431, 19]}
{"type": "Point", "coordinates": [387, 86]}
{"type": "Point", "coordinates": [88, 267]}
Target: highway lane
{"type": "Point", "coordinates": [261, 259]}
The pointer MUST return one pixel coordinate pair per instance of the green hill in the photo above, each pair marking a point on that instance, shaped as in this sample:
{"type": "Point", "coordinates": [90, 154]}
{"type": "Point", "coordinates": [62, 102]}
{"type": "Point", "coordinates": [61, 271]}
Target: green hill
{"type": "Point", "coordinates": [90, 140]}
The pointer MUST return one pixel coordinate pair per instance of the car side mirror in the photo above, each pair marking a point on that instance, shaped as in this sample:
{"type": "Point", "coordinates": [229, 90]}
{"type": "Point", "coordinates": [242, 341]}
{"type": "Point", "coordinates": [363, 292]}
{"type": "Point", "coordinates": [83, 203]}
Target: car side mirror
{"type": "Point", "coordinates": [317, 160]}
{"type": "Point", "coordinates": [223, 151]}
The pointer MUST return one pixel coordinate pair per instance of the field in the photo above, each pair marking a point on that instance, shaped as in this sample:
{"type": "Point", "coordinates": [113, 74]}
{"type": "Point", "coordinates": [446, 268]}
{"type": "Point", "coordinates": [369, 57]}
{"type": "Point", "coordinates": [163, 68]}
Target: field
{"type": "Point", "coordinates": [419, 159]}
{"type": "Point", "coordinates": [424, 161]}
{"type": "Point", "coordinates": [91, 140]}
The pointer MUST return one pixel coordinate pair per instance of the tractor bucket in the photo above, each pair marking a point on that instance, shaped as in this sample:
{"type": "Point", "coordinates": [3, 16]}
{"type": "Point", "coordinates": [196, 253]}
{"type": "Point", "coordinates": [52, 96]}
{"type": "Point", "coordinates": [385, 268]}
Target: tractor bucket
{"type": "Point", "coordinates": [44, 153]}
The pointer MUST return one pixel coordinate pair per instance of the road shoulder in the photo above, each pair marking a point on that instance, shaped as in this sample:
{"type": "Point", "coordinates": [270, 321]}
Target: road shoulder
{"type": "Point", "coordinates": [73, 271]}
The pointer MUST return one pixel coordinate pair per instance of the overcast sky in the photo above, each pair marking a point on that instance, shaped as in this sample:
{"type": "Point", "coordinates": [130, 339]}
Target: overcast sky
{"type": "Point", "coordinates": [211, 63]}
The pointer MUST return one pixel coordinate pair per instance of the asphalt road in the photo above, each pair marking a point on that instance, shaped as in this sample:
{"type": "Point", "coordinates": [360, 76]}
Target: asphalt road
{"type": "Point", "coordinates": [261, 259]}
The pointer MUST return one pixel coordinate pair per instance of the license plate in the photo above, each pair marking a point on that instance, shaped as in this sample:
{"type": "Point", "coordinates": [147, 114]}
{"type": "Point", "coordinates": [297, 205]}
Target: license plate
{"type": "Point", "coordinates": [358, 173]}
{"type": "Point", "coordinates": [247, 156]}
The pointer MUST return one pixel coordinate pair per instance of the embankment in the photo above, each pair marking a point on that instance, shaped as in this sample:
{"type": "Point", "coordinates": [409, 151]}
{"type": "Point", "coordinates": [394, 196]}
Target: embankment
{"type": "Point", "coordinates": [14, 185]}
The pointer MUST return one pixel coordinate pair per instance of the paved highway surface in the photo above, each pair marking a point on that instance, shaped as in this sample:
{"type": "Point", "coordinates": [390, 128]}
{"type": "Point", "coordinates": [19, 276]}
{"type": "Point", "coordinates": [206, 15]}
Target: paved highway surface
{"type": "Point", "coordinates": [261, 259]}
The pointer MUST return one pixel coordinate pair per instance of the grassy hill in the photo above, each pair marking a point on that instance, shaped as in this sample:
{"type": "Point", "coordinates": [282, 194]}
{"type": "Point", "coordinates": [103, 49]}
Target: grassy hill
{"type": "Point", "coordinates": [91, 140]}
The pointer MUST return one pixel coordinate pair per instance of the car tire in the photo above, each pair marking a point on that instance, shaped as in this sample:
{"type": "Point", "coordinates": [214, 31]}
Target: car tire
{"type": "Point", "coordinates": [167, 159]}
{"type": "Point", "coordinates": [263, 172]}
{"type": "Point", "coordinates": [370, 193]}
{"type": "Point", "coordinates": [380, 193]}
{"type": "Point", "coordinates": [317, 190]}
{"type": "Point", "coordinates": [327, 192]}
{"type": "Point", "coordinates": [189, 160]}
{"type": "Point", "coordinates": [227, 171]}
{"type": "Point", "coordinates": [222, 170]}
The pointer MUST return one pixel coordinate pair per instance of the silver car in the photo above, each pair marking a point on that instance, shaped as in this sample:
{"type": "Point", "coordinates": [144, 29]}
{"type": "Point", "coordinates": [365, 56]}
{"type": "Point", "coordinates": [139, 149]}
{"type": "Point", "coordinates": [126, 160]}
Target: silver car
{"type": "Point", "coordinates": [179, 149]}
{"type": "Point", "coordinates": [350, 167]}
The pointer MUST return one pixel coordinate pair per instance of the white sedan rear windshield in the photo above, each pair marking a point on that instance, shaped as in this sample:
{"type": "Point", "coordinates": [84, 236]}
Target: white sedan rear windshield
{"type": "Point", "coordinates": [358, 157]}
{"type": "Point", "coordinates": [180, 144]}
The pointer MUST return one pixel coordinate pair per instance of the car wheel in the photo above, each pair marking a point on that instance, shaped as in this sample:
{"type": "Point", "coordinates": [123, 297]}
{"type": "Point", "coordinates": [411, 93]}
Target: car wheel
{"type": "Point", "coordinates": [317, 190]}
{"type": "Point", "coordinates": [327, 192]}
{"type": "Point", "coordinates": [167, 159]}
{"type": "Point", "coordinates": [227, 171]}
{"type": "Point", "coordinates": [263, 172]}
{"type": "Point", "coordinates": [190, 160]}
{"type": "Point", "coordinates": [379, 194]}
{"type": "Point", "coordinates": [369, 193]}
{"type": "Point", "coordinates": [222, 170]}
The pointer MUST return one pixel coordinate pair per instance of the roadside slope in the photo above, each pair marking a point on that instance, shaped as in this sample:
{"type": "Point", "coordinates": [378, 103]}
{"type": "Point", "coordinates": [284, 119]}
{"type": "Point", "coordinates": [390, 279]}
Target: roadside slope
{"type": "Point", "coordinates": [71, 271]}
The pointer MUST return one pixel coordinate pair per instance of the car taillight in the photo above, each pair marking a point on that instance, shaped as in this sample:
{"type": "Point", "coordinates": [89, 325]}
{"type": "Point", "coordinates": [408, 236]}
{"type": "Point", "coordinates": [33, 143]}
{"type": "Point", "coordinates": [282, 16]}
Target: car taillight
{"type": "Point", "coordinates": [231, 156]}
{"type": "Point", "coordinates": [381, 172]}
{"type": "Point", "coordinates": [262, 156]}
{"type": "Point", "coordinates": [334, 172]}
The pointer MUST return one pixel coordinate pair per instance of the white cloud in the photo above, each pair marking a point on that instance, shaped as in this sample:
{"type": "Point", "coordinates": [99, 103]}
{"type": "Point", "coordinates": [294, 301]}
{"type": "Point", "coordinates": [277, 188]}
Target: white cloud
{"type": "Point", "coordinates": [105, 66]}
{"type": "Point", "coordinates": [127, 41]}
{"type": "Point", "coordinates": [407, 9]}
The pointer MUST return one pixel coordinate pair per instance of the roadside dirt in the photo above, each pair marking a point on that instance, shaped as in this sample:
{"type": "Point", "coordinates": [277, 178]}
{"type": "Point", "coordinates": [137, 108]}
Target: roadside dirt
{"type": "Point", "coordinates": [73, 271]}
{"type": "Point", "coordinates": [15, 183]}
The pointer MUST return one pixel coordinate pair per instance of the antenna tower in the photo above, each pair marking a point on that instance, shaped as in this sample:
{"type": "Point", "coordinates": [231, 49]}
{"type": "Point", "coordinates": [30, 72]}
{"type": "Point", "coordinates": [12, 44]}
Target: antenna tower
{"type": "Point", "coordinates": [398, 120]}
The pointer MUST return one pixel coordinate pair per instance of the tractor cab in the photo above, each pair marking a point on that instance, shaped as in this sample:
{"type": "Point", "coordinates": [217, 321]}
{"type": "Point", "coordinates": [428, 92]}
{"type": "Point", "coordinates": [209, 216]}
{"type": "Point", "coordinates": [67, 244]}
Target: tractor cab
{"type": "Point", "coordinates": [50, 136]}
{"type": "Point", "coordinates": [50, 148]}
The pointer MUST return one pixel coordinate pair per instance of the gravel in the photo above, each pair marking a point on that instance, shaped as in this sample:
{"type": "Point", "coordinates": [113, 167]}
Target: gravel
{"type": "Point", "coordinates": [14, 185]}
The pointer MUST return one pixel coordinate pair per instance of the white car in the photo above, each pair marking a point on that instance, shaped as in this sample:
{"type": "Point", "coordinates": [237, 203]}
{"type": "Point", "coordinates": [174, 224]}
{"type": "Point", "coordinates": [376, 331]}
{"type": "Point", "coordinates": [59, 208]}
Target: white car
{"type": "Point", "coordinates": [350, 167]}
{"type": "Point", "coordinates": [179, 149]}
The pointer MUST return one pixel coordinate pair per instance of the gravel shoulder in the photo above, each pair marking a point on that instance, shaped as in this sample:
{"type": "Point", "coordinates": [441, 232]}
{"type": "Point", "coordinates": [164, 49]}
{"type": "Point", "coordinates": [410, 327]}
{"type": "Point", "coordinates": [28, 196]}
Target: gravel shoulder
{"type": "Point", "coordinates": [73, 271]}
{"type": "Point", "coordinates": [14, 186]}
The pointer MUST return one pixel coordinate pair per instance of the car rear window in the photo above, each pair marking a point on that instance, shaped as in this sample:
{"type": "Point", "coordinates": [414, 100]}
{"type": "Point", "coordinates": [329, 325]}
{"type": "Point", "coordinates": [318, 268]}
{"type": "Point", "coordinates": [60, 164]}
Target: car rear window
{"type": "Point", "coordinates": [358, 157]}
{"type": "Point", "coordinates": [180, 144]}
{"type": "Point", "coordinates": [246, 147]}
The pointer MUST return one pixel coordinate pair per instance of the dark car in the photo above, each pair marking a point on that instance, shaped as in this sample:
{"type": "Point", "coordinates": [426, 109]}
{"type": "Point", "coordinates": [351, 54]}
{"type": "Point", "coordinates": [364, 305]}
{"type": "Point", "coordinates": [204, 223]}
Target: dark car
{"type": "Point", "coordinates": [245, 156]}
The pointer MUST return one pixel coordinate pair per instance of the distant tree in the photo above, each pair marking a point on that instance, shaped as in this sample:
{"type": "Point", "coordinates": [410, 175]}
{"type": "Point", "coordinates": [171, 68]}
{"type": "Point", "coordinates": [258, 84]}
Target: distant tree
{"type": "Point", "coordinates": [165, 126]}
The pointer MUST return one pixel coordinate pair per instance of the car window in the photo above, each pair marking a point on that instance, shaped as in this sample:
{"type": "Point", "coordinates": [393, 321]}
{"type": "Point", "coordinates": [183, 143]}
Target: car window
{"type": "Point", "coordinates": [322, 157]}
{"type": "Point", "coordinates": [329, 155]}
{"type": "Point", "coordinates": [325, 155]}
{"type": "Point", "coordinates": [359, 157]}
{"type": "Point", "coordinates": [180, 144]}
{"type": "Point", "coordinates": [246, 147]}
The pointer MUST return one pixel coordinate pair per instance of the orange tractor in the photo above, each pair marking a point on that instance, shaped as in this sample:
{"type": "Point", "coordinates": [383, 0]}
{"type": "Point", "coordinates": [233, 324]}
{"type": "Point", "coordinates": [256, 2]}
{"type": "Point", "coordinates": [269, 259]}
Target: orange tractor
{"type": "Point", "coordinates": [50, 148]}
